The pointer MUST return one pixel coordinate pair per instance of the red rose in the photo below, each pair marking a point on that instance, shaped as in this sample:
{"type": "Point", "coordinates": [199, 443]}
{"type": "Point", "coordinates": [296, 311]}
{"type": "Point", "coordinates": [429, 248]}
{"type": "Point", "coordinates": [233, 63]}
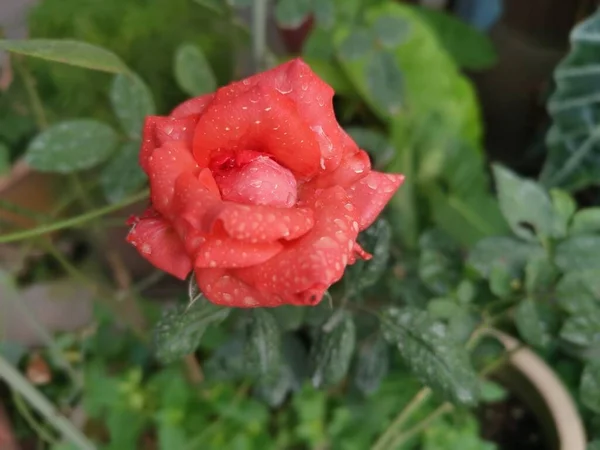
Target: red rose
{"type": "Point", "coordinates": [258, 190]}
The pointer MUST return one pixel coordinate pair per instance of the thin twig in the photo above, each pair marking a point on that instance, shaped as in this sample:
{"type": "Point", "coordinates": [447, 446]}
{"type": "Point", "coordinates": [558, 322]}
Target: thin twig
{"type": "Point", "coordinates": [37, 400]}
{"type": "Point", "coordinates": [72, 221]}
{"type": "Point", "coordinates": [421, 426]}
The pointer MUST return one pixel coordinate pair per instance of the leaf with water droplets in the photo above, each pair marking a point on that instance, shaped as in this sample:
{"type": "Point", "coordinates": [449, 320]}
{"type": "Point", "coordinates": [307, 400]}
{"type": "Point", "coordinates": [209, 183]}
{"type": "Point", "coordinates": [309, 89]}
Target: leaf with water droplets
{"type": "Point", "coordinates": [122, 176]}
{"type": "Point", "coordinates": [263, 345]}
{"type": "Point", "coordinates": [432, 354]}
{"type": "Point", "coordinates": [180, 329]}
{"type": "Point", "coordinates": [71, 145]}
{"type": "Point", "coordinates": [71, 52]}
{"type": "Point", "coordinates": [193, 72]}
{"type": "Point", "coordinates": [372, 365]}
{"type": "Point", "coordinates": [332, 351]}
{"type": "Point", "coordinates": [376, 239]}
{"type": "Point", "coordinates": [131, 101]}
{"type": "Point", "coordinates": [357, 44]}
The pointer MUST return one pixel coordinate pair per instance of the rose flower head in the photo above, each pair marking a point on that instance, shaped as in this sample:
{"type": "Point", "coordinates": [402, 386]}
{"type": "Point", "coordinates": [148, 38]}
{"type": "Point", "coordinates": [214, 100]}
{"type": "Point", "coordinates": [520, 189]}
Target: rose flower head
{"type": "Point", "coordinates": [258, 191]}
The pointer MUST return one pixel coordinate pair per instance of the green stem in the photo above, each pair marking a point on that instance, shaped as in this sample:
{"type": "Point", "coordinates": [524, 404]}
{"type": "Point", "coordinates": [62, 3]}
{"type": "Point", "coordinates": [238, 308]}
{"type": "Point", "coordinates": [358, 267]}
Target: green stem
{"type": "Point", "coordinates": [39, 402]}
{"type": "Point", "coordinates": [421, 426]}
{"type": "Point", "coordinates": [419, 399]}
{"type": "Point", "coordinates": [37, 107]}
{"type": "Point", "coordinates": [25, 412]}
{"type": "Point", "coordinates": [259, 34]}
{"type": "Point", "coordinates": [71, 222]}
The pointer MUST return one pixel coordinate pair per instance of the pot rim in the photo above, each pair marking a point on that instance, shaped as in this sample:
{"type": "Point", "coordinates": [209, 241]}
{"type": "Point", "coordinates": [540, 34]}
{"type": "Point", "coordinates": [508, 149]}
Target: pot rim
{"type": "Point", "coordinates": [568, 425]}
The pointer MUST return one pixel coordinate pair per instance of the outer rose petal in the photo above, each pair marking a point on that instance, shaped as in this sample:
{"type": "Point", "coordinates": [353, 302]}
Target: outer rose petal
{"type": "Point", "coordinates": [315, 261]}
{"type": "Point", "coordinates": [226, 252]}
{"type": "Point", "coordinates": [261, 120]}
{"type": "Point", "coordinates": [165, 165]}
{"type": "Point", "coordinates": [194, 105]}
{"type": "Point", "coordinates": [220, 287]}
{"type": "Point", "coordinates": [160, 130]}
{"type": "Point", "coordinates": [352, 168]}
{"type": "Point", "coordinates": [158, 242]}
{"type": "Point", "coordinates": [204, 212]}
{"type": "Point", "coordinates": [370, 195]}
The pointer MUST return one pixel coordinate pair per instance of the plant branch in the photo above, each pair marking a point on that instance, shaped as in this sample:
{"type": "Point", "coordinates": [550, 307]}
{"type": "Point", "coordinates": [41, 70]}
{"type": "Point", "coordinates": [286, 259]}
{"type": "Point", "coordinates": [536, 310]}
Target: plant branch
{"type": "Point", "coordinates": [417, 401]}
{"type": "Point", "coordinates": [421, 426]}
{"type": "Point", "coordinates": [37, 400]}
{"type": "Point", "coordinates": [259, 34]}
{"type": "Point", "coordinates": [71, 222]}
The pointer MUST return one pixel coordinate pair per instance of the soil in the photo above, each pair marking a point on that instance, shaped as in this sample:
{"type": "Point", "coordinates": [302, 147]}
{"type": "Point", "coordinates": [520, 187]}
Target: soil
{"type": "Point", "coordinates": [512, 426]}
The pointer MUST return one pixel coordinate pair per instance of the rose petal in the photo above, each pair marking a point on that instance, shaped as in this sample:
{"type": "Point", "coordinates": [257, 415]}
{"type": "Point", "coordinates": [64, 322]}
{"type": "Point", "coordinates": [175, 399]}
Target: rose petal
{"type": "Point", "coordinates": [225, 252]}
{"type": "Point", "coordinates": [204, 212]}
{"type": "Point", "coordinates": [314, 101]}
{"type": "Point", "coordinates": [319, 258]}
{"type": "Point", "coordinates": [160, 130]}
{"type": "Point", "coordinates": [157, 241]}
{"type": "Point", "coordinates": [260, 120]}
{"type": "Point", "coordinates": [194, 105]}
{"type": "Point", "coordinates": [352, 168]}
{"type": "Point", "coordinates": [260, 182]}
{"type": "Point", "coordinates": [220, 287]}
{"type": "Point", "coordinates": [370, 195]}
{"type": "Point", "coordinates": [165, 165]}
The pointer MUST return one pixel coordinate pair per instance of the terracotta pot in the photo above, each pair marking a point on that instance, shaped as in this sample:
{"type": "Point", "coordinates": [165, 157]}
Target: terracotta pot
{"type": "Point", "coordinates": [539, 388]}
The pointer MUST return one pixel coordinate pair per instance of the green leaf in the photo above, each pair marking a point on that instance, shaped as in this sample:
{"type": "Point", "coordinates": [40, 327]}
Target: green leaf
{"type": "Point", "coordinates": [123, 175]}
{"type": "Point", "coordinates": [372, 365]}
{"type": "Point", "coordinates": [443, 308]}
{"type": "Point", "coordinates": [192, 71]}
{"type": "Point", "coordinates": [332, 351]}
{"type": "Point", "coordinates": [540, 274]}
{"type": "Point", "coordinates": [274, 388]}
{"type": "Point", "coordinates": [324, 11]}
{"type": "Point", "coordinates": [228, 361]}
{"type": "Point", "coordinates": [468, 46]}
{"type": "Point", "coordinates": [507, 251]}
{"type": "Point", "coordinates": [535, 323]}
{"type": "Point", "coordinates": [289, 317]}
{"type": "Point", "coordinates": [4, 159]}
{"type": "Point", "coordinates": [492, 392]}
{"type": "Point", "coordinates": [579, 292]}
{"type": "Point", "coordinates": [376, 239]}
{"type": "Point", "coordinates": [180, 329]}
{"type": "Point", "coordinates": [358, 44]}
{"type": "Point", "coordinates": [586, 221]}
{"type": "Point", "coordinates": [578, 253]}
{"type": "Point", "coordinates": [435, 358]}
{"type": "Point", "coordinates": [594, 445]}
{"type": "Point", "coordinates": [263, 345]}
{"type": "Point", "coordinates": [71, 146]}
{"type": "Point", "coordinates": [318, 46]}
{"type": "Point", "coordinates": [125, 428]}
{"type": "Point", "coordinates": [465, 292]}
{"type": "Point", "coordinates": [385, 82]}
{"type": "Point", "coordinates": [439, 262]}
{"type": "Point", "coordinates": [524, 204]}
{"type": "Point", "coordinates": [292, 13]}
{"type": "Point", "coordinates": [75, 53]}
{"type": "Point", "coordinates": [582, 330]}
{"type": "Point", "coordinates": [375, 142]}
{"type": "Point", "coordinates": [502, 280]}
{"type": "Point", "coordinates": [391, 31]}
{"type": "Point", "coordinates": [573, 139]}
{"type": "Point", "coordinates": [458, 434]}
{"type": "Point", "coordinates": [131, 101]}
{"type": "Point", "coordinates": [564, 208]}
{"type": "Point", "coordinates": [589, 390]}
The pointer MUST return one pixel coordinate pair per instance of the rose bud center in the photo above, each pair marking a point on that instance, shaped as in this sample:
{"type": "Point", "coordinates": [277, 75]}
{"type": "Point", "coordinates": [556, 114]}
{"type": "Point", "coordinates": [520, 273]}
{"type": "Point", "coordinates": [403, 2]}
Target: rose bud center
{"type": "Point", "coordinates": [260, 181]}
